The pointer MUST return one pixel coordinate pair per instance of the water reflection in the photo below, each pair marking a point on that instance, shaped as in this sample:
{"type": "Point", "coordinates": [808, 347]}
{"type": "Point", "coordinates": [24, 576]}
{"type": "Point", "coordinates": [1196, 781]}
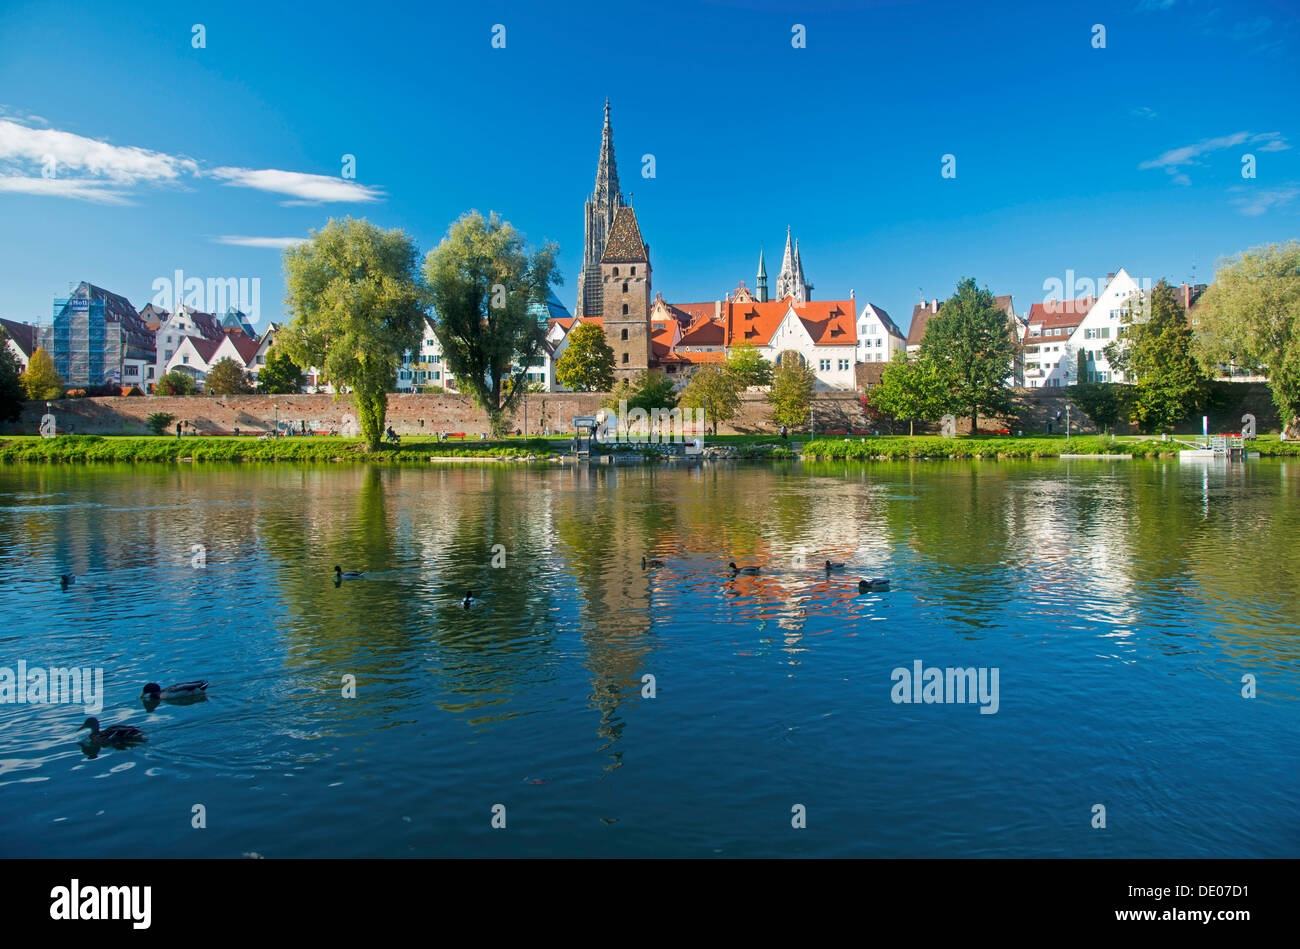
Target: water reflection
{"type": "Point", "coordinates": [1064, 572]}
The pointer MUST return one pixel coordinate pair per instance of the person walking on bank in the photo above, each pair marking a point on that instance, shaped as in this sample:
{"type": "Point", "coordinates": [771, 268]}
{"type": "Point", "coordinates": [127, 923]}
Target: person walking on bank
{"type": "Point", "coordinates": [785, 434]}
{"type": "Point", "coordinates": [178, 429]}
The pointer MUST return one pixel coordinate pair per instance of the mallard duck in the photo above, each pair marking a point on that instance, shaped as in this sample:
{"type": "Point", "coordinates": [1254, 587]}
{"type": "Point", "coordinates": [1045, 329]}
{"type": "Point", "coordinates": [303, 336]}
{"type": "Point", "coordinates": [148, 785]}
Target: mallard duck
{"type": "Point", "coordinates": [469, 599]}
{"type": "Point", "coordinates": [113, 734]}
{"type": "Point", "coordinates": [873, 586]}
{"type": "Point", "coordinates": [650, 563]}
{"type": "Point", "coordinates": [340, 574]}
{"type": "Point", "coordinates": [746, 571]}
{"type": "Point", "coordinates": [182, 690]}
{"type": "Point", "coordinates": [837, 565]}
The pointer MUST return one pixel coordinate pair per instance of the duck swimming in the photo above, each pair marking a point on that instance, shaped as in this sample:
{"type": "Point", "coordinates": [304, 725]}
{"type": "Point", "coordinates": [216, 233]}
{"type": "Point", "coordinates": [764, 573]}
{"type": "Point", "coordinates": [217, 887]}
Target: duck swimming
{"type": "Point", "coordinates": [182, 690]}
{"type": "Point", "coordinates": [67, 580]}
{"type": "Point", "coordinates": [746, 571]}
{"type": "Point", "coordinates": [873, 586]}
{"type": "Point", "coordinates": [469, 599]}
{"type": "Point", "coordinates": [837, 565]}
{"type": "Point", "coordinates": [650, 563]}
{"type": "Point", "coordinates": [339, 574]}
{"type": "Point", "coordinates": [113, 734]}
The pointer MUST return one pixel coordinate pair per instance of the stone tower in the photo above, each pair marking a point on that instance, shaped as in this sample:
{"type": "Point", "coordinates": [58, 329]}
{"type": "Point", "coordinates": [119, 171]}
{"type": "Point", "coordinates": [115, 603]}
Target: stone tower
{"type": "Point", "coordinates": [762, 278]}
{"type": "Point", "coordinates": [790, 282]}
{"type": "Point", "coordinates": [626, 295]}
{"type": "Point", "coordinates": [601, 208]}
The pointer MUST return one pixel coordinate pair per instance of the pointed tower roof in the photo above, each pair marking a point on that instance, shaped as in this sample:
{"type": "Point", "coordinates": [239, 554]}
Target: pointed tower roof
{"type": "Point", "coordinates": [762, 267]}
{"type": "Point", "coordinates": [787, 260]}
{"type": "Point", "coordinates": [607, 168]}
{"type": "Point", "coordinates": [624, 244]}
{"type": "Point", "coordinates": [798, 264]}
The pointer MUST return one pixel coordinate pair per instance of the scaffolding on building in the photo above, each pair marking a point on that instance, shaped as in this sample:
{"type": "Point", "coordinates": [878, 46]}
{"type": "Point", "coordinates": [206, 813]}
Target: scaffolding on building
{"type": "Point", "coordinates": [86, 346]}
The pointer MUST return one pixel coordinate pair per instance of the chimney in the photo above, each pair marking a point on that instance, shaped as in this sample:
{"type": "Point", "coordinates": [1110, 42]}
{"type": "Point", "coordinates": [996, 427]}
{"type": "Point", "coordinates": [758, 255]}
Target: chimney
{"type": "Point", "coordinates": [934, 305]}
{"type": "Point", "coordinates": [1110, 277]}
{"type": "Point", "coordinates": [717, 309]}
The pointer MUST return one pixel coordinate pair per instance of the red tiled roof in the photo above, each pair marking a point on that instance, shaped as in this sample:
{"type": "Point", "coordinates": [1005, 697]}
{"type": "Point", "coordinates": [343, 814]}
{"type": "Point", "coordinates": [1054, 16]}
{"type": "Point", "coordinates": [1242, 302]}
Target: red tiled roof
{"type": "Point", "coordinates": [1057, 317]}
{"type": "Point", "coordinates": [829, 322]}
{"type": "Point", "coordinates": [246, 346]}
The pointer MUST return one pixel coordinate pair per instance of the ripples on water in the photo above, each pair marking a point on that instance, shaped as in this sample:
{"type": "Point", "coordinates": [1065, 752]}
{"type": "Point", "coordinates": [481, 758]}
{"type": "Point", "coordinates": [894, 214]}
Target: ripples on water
{"type": "Point", "coordinates": [1121, 602]}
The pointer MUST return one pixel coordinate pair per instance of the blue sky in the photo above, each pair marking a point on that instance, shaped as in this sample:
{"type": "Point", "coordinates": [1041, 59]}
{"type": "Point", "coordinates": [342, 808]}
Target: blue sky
{"type": "Point", "coordinates": [1068, 157]}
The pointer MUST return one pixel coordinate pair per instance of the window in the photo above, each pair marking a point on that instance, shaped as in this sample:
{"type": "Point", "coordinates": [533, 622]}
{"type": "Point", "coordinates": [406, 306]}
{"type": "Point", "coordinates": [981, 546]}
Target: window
{"type": "Point", "coordinates": [634, 271]}
{"type": "Point", "coordinates": [824, 364]}
{"type": "Point", "coordinates": [844, 364]}
{"type": "Point", "coordinates": [625, 357]}
{"type": "Point", "coordinates": [615, 271]}
{"type": "Point", "coordinates": [625, 286]}
{"type": "Point", "coordinates": [624, 336]}
{"type": "Point", "coordinates": [625, 312]}
{"type": "Point", "coordinates": [186, 360]}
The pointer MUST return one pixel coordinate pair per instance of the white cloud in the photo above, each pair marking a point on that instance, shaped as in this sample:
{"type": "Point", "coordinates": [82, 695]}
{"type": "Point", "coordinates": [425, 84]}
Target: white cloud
{"type": "Point", "coordinates": [276, 242]}
{"type": "Point", "coordinates": [40, 160]}
{"type": "Point", "coordinates": [122, 165]}
{"type": "Point", "coordinates": [1174, 160]}
{"type": "Point", "coordinates": [1256, 203]}
{"type": "Point", "coordinates": [81, 189]}
{"type": "Point", "coordinates": [307, 189]}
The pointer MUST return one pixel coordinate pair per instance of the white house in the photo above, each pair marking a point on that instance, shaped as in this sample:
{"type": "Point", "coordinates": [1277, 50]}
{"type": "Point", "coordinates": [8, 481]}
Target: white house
{"type": "Point", "coordinates": [170, 330]}
{"type": "Point", "coordinates": [878, 336]}
{"type": "Point", "coordinates": [1101, 326]}
{"type": "Point", "coordinates": [22, 340]}
{"type": "Point", "coordinates": [823, 333]}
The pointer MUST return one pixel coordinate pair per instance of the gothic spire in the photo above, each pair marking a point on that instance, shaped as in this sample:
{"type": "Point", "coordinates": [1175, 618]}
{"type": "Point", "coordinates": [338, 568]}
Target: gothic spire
{"type": "Point", "coordinates": [607, 192]}
{"type": "Point", "coordinates": [762, 277]}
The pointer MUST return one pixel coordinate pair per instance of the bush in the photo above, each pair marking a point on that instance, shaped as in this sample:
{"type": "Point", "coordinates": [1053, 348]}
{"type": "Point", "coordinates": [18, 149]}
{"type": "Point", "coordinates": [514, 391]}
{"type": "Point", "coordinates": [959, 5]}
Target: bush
{"type": "Point", "coordinates": [175, 383]}
{"type": "Point", "coordinates": [159, 422]}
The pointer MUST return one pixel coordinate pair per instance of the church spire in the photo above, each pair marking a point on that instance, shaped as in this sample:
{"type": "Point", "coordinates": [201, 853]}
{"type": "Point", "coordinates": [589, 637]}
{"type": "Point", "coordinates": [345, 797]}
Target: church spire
{"type": "Point", "coordinates": [600, 211]}
{"type": "Point", "coordinates": [607, 191]}
{"type": "Point", "coordinates": [790, 282]}
{"type": "Point", "coordinates": [762, 277]}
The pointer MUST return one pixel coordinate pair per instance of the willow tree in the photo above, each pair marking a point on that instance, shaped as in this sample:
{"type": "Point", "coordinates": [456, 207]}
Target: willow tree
{"type": "Point", "coordinates": [482, 280]}
{"type": "Point", "coordinates": [1250, 318]}
{"type": "Point", "coordinates": [358, 305]}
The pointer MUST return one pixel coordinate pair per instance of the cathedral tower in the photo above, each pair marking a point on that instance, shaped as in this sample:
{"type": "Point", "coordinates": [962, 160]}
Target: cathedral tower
{"type": "Point", "coordinates": [601, 208]}
{"type": "Point", "coordinates": [762, 278]}
{"type": "Point", "coordinates": [790, 282]}
{"type": "Point", "coordinates": [626, 295]}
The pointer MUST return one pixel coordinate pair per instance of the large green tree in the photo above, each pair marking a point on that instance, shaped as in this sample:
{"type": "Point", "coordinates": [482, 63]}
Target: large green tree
{"type": "Point", "coordinates": [1250, 318]}
{"type": "Point", "coordinates": [1155, 354]}
{"type": "Point", "coordinates": [279, 374]}
{"type": "Point", "coordinates": [587, 363]}
{"type": "Point", "coordinates": [358, 305]}
{"type": "Point", "coordinates": [12, 392]}
{"type": "Point", "coordinates": [791, 394]}
{"type": "Point", "coordinates": [716, 389]}
{"type": "Point", "coordinates": [970, 346]}
{"type": "Point", "coordinates": [909, 389]}
{"type": "Point", "coordinates": [227, 378]}
{"type": "Point", "coordinates": [749, 366]}
{"type": "Point", "coordinates": [482, 279]}
{"type": "Point", "coordinates": [41, 380]}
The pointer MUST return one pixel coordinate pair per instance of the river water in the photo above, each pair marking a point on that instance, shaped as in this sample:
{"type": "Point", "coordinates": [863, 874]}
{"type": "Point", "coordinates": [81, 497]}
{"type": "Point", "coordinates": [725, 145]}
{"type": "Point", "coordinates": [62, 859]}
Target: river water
{"type": "Point", "coordinates": [1123, 606]}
